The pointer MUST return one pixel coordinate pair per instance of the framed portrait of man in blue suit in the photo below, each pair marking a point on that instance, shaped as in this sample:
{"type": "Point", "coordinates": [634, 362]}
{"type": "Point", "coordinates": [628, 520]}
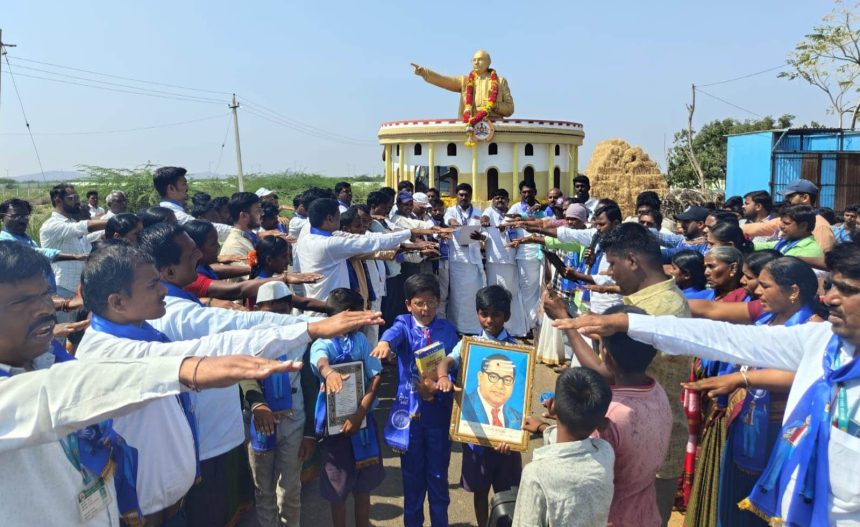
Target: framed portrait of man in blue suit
{"type": "Point", "coordinates": [496, 382]}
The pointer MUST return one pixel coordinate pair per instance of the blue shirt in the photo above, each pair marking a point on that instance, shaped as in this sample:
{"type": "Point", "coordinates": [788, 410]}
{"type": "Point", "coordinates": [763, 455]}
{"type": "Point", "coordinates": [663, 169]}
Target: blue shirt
{"type": "Point", "coordinates": [504, 336]}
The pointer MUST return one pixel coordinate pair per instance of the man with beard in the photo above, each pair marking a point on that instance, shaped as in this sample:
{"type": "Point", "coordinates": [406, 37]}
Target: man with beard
{"type": "Point", "coordinates": [65, 233]}
{"type": "Point", "coordinates": [528, 256]}
{"type": "Point", "coordinates": [245, 211]}
{"type": "Point", "coordinates": [582, 191]}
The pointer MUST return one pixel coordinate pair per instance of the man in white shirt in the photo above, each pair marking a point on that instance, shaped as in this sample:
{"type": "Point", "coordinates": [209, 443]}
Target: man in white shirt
{"type": "Point", "coordinates": [343, 194]}
{"type": "Point", "coordinates": [582, 190]}
{"type": "Point", "coordinates": [529, 257]}
{"type": "Point", "coordinates": [95, 211]}
{"type": "Point", "coordinates": [321, 252]}
{"type": "Point", "coordinates": [245, 211]}
{"type": "Point", "coordinates": [51, 403]}
{"type": "Point", "coordinates": [502, 262]}
{"type": "Point", "coordinates": [821, 422]}
{"type": "Point", "coordinates": [65, 232]}
{"type": "Point", "coordinates": [117, 203]}
{"type": "Point", "coordinates": [116, 332]}
{"type": "Point", "coordinates": [465, 265]}
{"type": "Point", "coordinates": [172, 186]}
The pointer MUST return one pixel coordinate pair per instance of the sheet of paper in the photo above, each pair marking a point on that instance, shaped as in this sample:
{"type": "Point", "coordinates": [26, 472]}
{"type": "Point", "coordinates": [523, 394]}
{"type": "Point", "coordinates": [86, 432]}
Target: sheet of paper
{"type": "Point", "coordinates": [346, 400]}
{"type": "Point", "coordinates": [463, 235]}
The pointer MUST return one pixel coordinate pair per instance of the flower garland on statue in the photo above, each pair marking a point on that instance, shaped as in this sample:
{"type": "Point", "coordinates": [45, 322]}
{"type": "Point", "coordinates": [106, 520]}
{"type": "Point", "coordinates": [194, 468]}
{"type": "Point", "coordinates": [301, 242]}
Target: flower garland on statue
{"type": "Point", "coordinates": [481, 114]}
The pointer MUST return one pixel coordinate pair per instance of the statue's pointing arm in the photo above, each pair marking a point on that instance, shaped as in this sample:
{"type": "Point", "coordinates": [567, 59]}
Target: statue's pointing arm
{"type": "Point", "coordinates": [504, 102]}
{"type": "Point", "coordinates": [454, 84]}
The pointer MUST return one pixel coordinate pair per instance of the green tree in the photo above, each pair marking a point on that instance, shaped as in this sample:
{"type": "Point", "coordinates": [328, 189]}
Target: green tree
{"type": "Point", "coordinates": [709, 143]}
{"type": "Point", "coordinates": [829, 59]}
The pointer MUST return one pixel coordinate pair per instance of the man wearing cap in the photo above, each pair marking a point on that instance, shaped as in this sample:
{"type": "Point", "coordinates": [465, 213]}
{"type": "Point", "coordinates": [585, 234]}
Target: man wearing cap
{"type": "Point", "coordinates": [692, 223]}
{"type": "Point", "coordinates": [421, 206]}
{"type": "Point", "coordinates": [798, 192]}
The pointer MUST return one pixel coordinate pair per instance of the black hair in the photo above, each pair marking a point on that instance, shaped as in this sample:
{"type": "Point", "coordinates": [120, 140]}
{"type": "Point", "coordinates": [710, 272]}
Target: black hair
{"type": "Point", "coordinates": [649, 198]}
{"type": "Point", "coordinates": [220, 201]}
{"type": "Point", "coordinates": [377, 198]}
{"type": "Point", "coordinates": [800, 214]}
{"type": "Point", "coordinates": [19, 262]}
{"type": "Point", "coordinates": [724, 216]}
{"type": "Point", "coordinates": [297, 201]}
{"type": "Point", "coordinates": [844, 259]}
{"type": "Point", "coordinates": [437, 203]}
{"type": "Point", "coordinates": [582, 397]}
{"type": "Point", "coordinates": [201, 209]}
{"type": "Point", "coordinates": [728, 232]}
{"type": "Point", "coordinates": [761, 197]}
{"type": "Point", "coordinates": [757, 260]}
{"type": "Point", "coordinates": [421, 283]}
{"type": "Point", "coordinates": [321, 209]}
{"type": "Point", "coordinates": [59, 192]}
{"type": "Point", "coordinates": [525, 183]}
{"type": "Point", "coordinates": [693, 264]}
{"type": "Point", "coordinates": [854, 207]}
{"type": "Point", "coordinates": [110, 270]}
{"type": "Point", "coordinates": [159, 241]}
{"type": "Point", "coordinates": [18, 204]}
{"type": "Point", "coordinates": [464, 186]}
{"type": "Point", "coordinates": [166, 176]}
{"type": "Point", "coordinates": [434, 189]}
{"type": "Point", "coordinates": [269, 210]}
{"type": "Point", "coordinates": [493, 298]}
{"type": "Point", "coordinates": [198, 231]}
{"type": "Point", "coordinates": [268, 247]}
{"type": "Point", "coordinates": [500, 192]}
{"type": "Point", "coordinates": [340, 185]}
{"type": "Point", "coordinates": [485, 363]}
{"type": "Point", "coordinates": [121, 224]}
{"type": "Point", "coordinates": [630, 355]}
{"type": "Point", "coordinates": [828, 214]}
{"type": "Point", "coordinates": [242, 202]}
{"type": "Point", "coordinates": [405, 185]}
{"type": "Point", "coordinates": [155, 215]}
{"type": "Point", "coordinates": [581, 178]}
{"type": "Point", "coordinates": [612, 211]}
{"type": "Point", "coordinates": [388, 191]}
{"type": "Point", "coordinates": [343, 299]}
{"type": "Point", "coordinates": [92, 193]}
{"type": "Point", "coordinates": [314, 193]}
{"type": "Point", "coordinates": [200, 198]}
{"type": "Point", "coordinates": [787, 271]}
{"type": "Point", "coordinates": [734, 204]}
{"type": "Point", "coordinates": [347, 216]}
{"type": "Point", "coordinates": [656, 214]}
{"type": "Point", "coordinates": [633, 238]}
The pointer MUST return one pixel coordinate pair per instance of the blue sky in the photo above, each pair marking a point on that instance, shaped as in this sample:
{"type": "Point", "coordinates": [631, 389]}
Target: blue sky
{"type": "Point", "coordinates": [623, 69]}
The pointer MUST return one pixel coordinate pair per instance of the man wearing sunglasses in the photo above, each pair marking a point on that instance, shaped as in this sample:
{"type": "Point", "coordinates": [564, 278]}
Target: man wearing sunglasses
{"type": "Point", "coordinates": [488, 404]}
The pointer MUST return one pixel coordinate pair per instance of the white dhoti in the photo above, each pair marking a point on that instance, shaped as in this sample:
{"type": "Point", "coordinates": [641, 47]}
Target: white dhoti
{"type": "Point", "coordinates": [444, 283]}
{"type": "Point", "coordinates": [530, 289]}
{"type": "Point", "coordinates": [371, 331]}
{"type": "Point", "coordinates": [466, 279]}
{"type": "Point", "coordinates": [507, 276]}
{"type": "Point", "coordinates": [553, 347]}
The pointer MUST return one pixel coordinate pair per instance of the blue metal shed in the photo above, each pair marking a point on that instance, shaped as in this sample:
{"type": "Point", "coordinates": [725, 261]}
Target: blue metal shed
{"type": "Point", "coordinates": [771, 159]}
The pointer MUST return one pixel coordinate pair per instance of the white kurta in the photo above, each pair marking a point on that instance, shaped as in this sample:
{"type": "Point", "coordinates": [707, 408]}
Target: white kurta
{"type": "Point", "coordinates": [39, 485]}
{"type": "Point", "coordinates": [600, 302]}
{"type": "Point", "coordinates": [466, 274]}
{"type": "Point", "coordinates": [219, 414]}
{"type": "Point", "coordinates": [183, 217]}
{"type": "Point", "coordinates": [529, 263]}
{"type": "Point", "coordinates": [795, 348]}
{"type": "Point", "coordinates": [502, 270]}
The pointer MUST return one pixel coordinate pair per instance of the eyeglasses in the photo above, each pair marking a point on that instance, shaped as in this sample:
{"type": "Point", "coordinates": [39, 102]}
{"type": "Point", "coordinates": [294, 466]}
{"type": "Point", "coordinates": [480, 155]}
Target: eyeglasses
{"type": "Point", "coordinates": [507, 380]}
{"type": "Point", "coordinates": [425, 305]}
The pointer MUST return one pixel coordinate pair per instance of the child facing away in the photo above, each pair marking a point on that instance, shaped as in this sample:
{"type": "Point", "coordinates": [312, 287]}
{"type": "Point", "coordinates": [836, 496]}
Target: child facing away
{"type": "Point", "coordinates": [418, 422]}
{"type": "Point", "coordinates": [352, 459]}
{"type": "Point", "coordinates": [569, 481]}
{"type": "Point", "coordinates": [485, 467]}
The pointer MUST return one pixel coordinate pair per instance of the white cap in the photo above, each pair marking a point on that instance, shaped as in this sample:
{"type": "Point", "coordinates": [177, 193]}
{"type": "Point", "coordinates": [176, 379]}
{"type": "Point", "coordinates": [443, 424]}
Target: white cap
{"type": "Point", "coordinates": [271, 291]}
{"type": "Point", "coordinates": [420, 199]}
{"type": "Point", "coordinates": [263, 192]}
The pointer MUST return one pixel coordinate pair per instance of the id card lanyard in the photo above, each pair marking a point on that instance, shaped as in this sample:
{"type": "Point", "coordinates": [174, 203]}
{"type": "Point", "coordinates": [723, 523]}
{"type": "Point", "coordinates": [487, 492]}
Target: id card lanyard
{"type": "Point", "coordinates": [842, 417]}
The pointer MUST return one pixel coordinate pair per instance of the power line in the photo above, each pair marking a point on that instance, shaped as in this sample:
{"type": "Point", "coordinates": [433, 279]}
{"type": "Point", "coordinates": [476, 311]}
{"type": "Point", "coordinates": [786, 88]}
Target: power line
{"type": "Point", "coordinates": [108, 83]}
{"type": "Point", "coordinates": [26, 121]}
{"type": "Point", "coordinates": [317, 134]}
{"type": "Point", "coordinates": [183, 98]}
{"type": "Point", "coordinates": [123, 78]}
{"type": "Point", "coordinates": [124, 130]}
{"type": "Point", "coordinates": [743, 76]}
{"type": "Point", "coordinates": [726, 102]}
{"type": "Point", "coordinates": [301, 125]}
{"type": "Point", "coordinates": [223, 142]}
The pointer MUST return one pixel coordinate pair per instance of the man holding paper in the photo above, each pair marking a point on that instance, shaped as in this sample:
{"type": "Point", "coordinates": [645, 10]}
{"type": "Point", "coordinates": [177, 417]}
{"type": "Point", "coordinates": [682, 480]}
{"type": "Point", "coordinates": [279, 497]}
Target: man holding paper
{"type": "Point", "coordinates": [465, 265]}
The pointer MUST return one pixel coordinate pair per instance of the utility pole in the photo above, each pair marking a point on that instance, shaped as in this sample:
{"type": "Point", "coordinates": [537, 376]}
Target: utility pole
{"type": "Point", "coordinates": [233, 107]}
{"type": "Point", "coordinates": [2, 54]}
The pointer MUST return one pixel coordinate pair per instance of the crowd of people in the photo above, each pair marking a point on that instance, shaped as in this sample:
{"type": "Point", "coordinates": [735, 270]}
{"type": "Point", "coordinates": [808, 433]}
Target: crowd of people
{"type": "Point", "coordinates": [171, 366]}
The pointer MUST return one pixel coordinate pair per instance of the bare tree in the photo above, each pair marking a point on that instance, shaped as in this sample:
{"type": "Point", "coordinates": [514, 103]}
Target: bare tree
{"type": "Point", "coordinates": [691, 152]}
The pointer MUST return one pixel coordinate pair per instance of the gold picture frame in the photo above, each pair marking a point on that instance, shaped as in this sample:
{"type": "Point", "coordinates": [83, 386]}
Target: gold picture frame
{"type": "Point", "coordinates": [484, 368]}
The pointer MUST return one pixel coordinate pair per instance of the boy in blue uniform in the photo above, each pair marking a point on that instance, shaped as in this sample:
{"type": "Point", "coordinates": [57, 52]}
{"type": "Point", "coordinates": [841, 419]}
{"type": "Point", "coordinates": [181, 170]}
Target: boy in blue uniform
{"type": "Point", "coordinates": [485, 467]}
{"type": "Point", "coordinates": [352, 460]}
{"type": "Point", "coordinates": [418, 423]}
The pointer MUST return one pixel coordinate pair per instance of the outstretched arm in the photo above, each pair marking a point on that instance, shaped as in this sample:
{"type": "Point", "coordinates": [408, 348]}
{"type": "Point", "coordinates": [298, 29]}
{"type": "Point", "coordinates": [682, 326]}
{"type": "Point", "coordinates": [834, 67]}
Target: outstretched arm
{"type": "Point", "coordinates": [448, 83]}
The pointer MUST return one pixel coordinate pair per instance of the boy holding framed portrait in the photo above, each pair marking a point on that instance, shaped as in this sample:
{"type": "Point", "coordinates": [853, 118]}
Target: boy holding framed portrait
{"type": "Point", "coordinates": [496, 382]}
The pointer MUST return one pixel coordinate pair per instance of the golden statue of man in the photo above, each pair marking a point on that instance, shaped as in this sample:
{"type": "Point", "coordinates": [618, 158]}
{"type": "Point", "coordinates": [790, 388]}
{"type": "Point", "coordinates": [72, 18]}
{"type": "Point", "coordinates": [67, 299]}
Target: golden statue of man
{"type": "Point", "coordinates": [504, 103]}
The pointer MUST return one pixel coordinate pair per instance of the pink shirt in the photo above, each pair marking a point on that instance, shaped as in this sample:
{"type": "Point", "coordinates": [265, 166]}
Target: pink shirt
{"type": "Point", "coordinates": [640, 422]}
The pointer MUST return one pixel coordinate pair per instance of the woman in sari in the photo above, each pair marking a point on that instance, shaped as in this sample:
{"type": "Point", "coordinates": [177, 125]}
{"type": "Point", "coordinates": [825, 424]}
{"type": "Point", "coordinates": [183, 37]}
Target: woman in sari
{"type": "Point", "coordinates": [787, 289]}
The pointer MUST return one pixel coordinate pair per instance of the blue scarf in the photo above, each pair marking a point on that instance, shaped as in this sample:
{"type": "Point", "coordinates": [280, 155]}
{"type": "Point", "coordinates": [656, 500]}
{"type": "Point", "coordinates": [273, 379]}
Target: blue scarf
{"type": "Point", "coordinates": [147, 333]}
{"type": "Point", "coordinates": [593, 269]}
{"type": "Point", "coordinates": [251, 236]}
{"type": "Point", "coordinates": [784, 245]}
{"type": "Point", "coordinates": [207, 271]}
{"type": "Point", "coordinates": [749, 431]}
{"type": "Point", "coordinates": [692, 293]}
{"type": "Point", "coordinates": [320, 232]}
{"type": "Point", "coordinates": [96, 448]}
{"type": "Point", "coordinates": [353, 280]}
{"type": "Point", "coordinates": [279, 397]}
{"type": "Point", "coordinates": [175, 291]}
{"type": "Point", "coordinates": [365, 445]}
{"type": "Point", "coordinates": [802, 446]}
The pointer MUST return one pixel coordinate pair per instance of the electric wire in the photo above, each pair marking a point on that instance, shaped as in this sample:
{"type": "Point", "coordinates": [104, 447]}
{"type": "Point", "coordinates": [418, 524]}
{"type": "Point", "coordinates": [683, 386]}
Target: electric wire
{"type": "Point", "coordinates": [727, 102]}
{"type": "Point", "coordinates": [24, 113]}
{"type": "Point", "coordinates": [744, 76]}
{"type": "Point", "coordinates": [317, 134]}
{"type": "Point", "coordinates": [224, 141]}
{"type": "Point", "coordinates": [299, 124]}
{"type": "Point", "coordinates": [124, 130]}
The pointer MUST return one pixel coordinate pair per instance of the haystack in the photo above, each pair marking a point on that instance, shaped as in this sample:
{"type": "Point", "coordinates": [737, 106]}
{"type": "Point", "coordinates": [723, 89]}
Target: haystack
{"type": "Point", "coordinates": [620, 172]}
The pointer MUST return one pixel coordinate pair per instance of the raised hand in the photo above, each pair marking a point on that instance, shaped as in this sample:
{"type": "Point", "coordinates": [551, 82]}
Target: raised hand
{"type": "Point", "coordinates": [381, 351]}
{"type": "Point", "coordinates": [719, 385]}
{"type": "Point", "coordinates": [602, 325]}
{"type": "Point", "coordinates": [220, 372]}
{"type": "Point", "coordinates": [343, 323]}
{"type": "Point", "coordinates": [302, 278]}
